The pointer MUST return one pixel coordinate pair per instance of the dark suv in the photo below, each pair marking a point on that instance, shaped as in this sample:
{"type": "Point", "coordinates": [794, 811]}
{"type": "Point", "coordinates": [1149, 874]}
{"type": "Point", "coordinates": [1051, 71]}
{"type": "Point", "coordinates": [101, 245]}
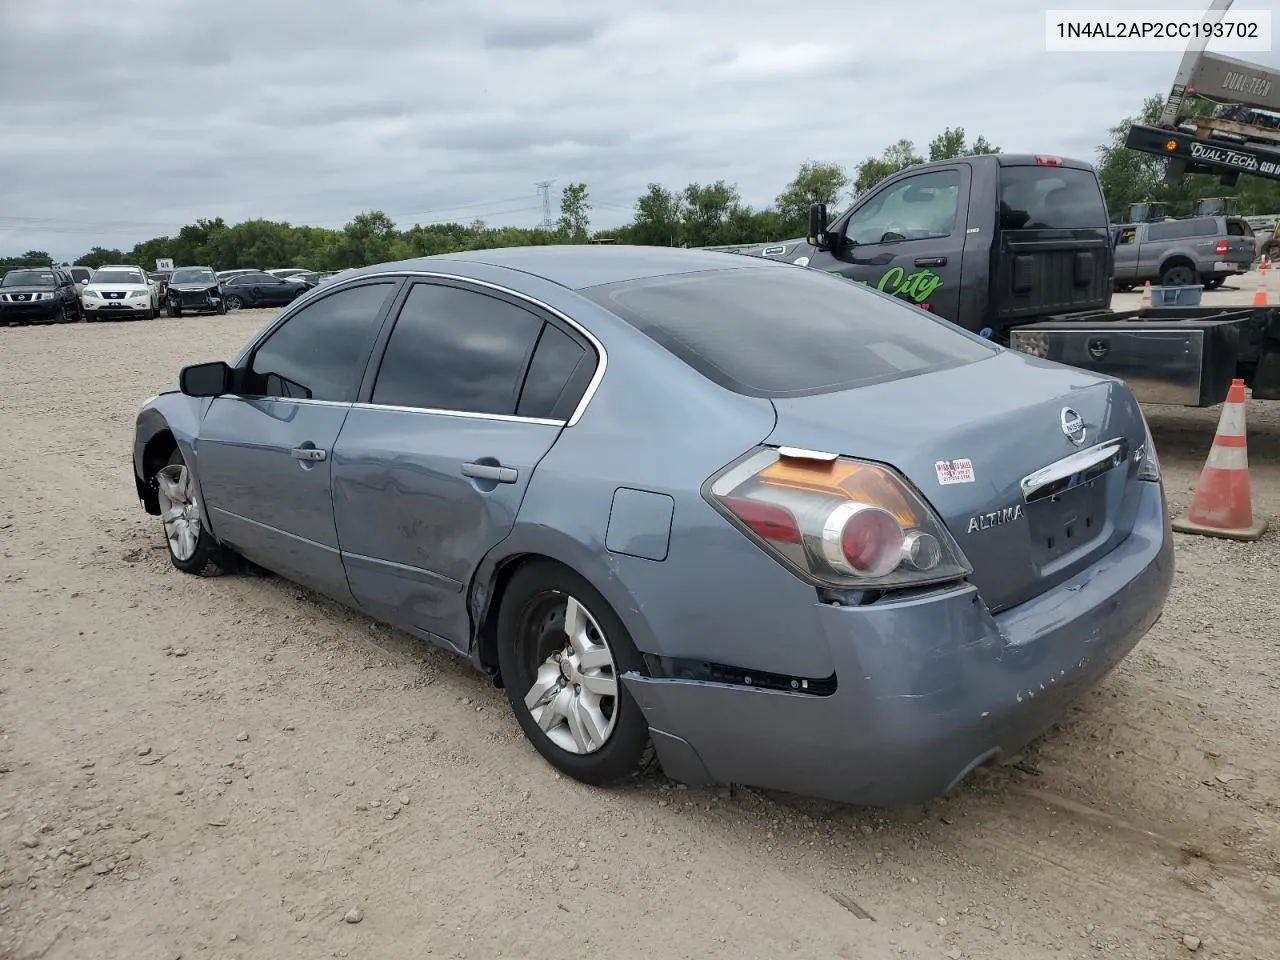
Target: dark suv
{"type": "Point", "coordinates": [39, 295]}
{"type": "Point", "coordinates": [194, 289]}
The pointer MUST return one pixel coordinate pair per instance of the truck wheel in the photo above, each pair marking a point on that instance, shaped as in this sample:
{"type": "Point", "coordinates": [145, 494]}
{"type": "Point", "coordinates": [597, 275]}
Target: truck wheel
{"type": "Point", "coordinates": [1178, 275]}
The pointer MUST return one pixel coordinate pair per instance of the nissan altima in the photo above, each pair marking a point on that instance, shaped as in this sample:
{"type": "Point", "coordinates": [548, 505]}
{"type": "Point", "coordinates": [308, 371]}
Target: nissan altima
{"type": "Point", "coordinates": [771, 526]}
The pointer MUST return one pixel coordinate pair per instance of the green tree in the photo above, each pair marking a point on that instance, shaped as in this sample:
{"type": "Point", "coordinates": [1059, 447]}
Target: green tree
{"type": "Point", "coordinates": [893, 158]}
{"type": "Point", "coordinates": [98, 256]}
{"type": "Point", "coordinates": [575, 222]}
{"type": "Point", "coordinates": [814, 183]}
{"type": "Point", "coordinates": [657, 220]}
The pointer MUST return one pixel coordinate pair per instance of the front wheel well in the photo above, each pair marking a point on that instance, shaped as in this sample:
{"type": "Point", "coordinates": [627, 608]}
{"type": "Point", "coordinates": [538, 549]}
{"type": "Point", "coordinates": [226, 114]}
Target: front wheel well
{"type": "Point", "coordinates": [154, 457]}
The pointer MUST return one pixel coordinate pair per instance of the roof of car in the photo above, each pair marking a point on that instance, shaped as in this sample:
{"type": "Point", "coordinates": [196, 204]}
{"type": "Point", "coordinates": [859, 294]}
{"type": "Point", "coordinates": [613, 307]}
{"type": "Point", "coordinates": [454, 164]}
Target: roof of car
{"type": "Point", "coordinates": [578, 266]}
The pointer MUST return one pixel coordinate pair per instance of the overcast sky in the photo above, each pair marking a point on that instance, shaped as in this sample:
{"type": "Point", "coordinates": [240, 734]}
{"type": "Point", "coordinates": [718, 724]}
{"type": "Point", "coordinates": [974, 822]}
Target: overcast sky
{"type": "Point", "coordinates": [121, 120]}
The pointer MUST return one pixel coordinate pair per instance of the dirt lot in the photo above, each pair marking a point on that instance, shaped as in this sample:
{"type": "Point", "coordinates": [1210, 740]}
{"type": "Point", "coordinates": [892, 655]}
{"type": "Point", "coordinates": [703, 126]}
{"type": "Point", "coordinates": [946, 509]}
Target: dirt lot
{"type": "Point", "coordinates": [225, 768]}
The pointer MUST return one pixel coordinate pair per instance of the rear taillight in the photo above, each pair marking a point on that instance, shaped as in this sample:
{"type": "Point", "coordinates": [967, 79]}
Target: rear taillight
{"type": "Point", "coordinates": [836, 521]}
{"type": "Point", "coordinates": [1220, 248]}
{"type": "Point", "coordinates": [1048, 161]}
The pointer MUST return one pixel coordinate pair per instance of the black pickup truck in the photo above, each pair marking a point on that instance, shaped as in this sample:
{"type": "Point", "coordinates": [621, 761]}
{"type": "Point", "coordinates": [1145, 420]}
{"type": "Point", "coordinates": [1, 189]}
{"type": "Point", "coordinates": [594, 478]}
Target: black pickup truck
{"type": "Point", "coordinates": [1019, 248]}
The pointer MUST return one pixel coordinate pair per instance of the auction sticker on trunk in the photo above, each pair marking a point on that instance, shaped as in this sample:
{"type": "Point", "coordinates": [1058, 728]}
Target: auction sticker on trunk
{"type": "Point", "coordinates": [954, 471]}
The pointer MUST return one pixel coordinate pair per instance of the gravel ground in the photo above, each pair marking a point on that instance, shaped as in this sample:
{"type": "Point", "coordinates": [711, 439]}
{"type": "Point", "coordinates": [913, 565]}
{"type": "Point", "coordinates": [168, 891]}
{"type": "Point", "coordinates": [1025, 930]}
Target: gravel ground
{"type": "Point", "coordinates": [234, 768]}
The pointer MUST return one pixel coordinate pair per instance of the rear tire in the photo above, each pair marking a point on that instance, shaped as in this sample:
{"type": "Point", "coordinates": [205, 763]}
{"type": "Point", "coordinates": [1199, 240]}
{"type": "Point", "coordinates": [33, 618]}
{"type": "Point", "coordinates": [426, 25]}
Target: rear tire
{"type": "Point", "coordinates": [1178, 275]}
{"type": "Point", "coordinates": [562, 648]}
{"type": "Point", "coordinates": [192, 548]}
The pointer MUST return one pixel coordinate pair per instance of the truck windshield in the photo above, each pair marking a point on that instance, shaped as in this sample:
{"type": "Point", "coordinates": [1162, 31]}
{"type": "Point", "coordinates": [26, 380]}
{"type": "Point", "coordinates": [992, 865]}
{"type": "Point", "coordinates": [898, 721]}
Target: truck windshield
{"type": "Point", "coordinates": [1050, 198]}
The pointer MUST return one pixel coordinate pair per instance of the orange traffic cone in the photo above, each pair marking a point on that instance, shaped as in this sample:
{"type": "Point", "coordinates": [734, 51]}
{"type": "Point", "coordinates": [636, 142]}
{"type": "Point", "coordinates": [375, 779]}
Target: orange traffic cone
{"type": "Point", "coordinates": [1260, 295]}
{"type": "Point", "coordinates": [1146, 296]}
{"type": "Point", "coordinates": [1223, 502]}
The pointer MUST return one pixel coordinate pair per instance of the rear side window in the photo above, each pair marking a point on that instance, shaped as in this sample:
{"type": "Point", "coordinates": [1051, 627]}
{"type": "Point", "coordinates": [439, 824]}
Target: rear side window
{"type": "Point", "coordinates": [788, 331]}
{"type": "Point", "coordinates": [558, 375]}
{"type": "Point", "coordinates": [458, 350]}
{"type": "Point", "coordinates": [1183, 229]}
{"type": "Point", "coordinates": [1050, 198]}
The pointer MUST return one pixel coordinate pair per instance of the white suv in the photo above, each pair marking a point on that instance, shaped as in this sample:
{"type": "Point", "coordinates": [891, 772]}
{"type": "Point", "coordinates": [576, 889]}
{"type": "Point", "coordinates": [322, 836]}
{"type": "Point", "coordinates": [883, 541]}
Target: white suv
{"type": "Point", "coordinates": [118, 290]}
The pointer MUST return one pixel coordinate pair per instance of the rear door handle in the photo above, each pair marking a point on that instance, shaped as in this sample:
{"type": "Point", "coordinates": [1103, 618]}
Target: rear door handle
{"type": "Point", "coordinates": [489, 471]}
{"type": "Point", "coordinates": [309, 453]}
{"type": "Point", "coordinates": [931, 261]}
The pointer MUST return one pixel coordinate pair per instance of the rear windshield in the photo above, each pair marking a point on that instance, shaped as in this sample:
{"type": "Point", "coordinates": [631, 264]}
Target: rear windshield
{"type": "Point", "coordinates": [1239, 228]}
{"type": "Point", "coordinates": [788, 331]}
{"type": "Point", "coordinates": [1050, 198]}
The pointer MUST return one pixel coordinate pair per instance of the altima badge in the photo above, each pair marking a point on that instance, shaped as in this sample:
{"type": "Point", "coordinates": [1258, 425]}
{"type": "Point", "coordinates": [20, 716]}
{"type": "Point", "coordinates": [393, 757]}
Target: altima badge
{"type": "Point", "coordinates": [1073, 426]}
{"type": "Point", "coordinates": [985, 521]}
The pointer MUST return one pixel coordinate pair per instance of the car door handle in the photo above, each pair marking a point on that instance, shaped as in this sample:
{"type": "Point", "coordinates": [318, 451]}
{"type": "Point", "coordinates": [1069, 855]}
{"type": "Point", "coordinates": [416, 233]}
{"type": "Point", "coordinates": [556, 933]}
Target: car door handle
{"type": "Point", "coordinates": [309, 453]}
{"type": "Point", "coordinates": [931, 261]}
{"type": "Point", "coordinates": [489, 471]}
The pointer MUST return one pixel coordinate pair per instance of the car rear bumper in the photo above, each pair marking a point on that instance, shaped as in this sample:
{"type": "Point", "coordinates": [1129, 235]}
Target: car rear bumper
{"type": "Point", "coordinates": [926, 689]}
{"type": "Point", "coordinates": [1231, 268]}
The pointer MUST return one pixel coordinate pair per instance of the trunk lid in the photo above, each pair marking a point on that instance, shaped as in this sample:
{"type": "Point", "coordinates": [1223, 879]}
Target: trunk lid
{"type": "Point", "coordinates": [1053, 252]}
{"type": "Point", "coordinates": [1004, 415]}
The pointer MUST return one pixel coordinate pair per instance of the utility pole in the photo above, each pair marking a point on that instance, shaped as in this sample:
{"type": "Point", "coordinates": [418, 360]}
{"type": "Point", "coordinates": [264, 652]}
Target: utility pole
{"type": "Point", "coordinates": [544, 188]}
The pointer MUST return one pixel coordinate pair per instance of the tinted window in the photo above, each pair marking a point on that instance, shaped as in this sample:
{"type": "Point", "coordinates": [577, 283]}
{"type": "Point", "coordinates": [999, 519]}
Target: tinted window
{"type": "Point", "coordinates": [454, 349]}
{"type": "Point", "coordinates": [1182, 229]}
{"type": "Point", "coordinates": [787, 332]}
{"type": "Point", "coordinates": [320, 352]}
{"type": "Point", "coordinates": [1050, 198]}
{"type": "Point", "coordinates": [916, 208]}
{"type": "Point", "coordinates": [1239, 228]}
{"type": "Point", "coordinates": [550, 371]}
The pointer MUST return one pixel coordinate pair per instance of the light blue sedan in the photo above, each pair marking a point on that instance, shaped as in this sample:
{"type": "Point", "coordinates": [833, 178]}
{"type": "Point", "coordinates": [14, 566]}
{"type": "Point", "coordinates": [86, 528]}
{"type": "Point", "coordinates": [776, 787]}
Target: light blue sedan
{"type": "Point", "coordinates": [784, 529]}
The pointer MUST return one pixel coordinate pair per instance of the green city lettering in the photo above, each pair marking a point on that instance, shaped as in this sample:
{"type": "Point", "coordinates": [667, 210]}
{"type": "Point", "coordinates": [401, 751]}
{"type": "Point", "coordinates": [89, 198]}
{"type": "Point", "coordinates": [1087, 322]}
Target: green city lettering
{"type": "Point", "coordinates": [918, 286]}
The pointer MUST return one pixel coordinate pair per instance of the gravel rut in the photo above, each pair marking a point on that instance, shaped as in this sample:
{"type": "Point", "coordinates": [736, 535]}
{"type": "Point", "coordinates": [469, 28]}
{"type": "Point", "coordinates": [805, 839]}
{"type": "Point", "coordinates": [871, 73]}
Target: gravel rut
{"type": "Point", "coordinates": [234, 768]}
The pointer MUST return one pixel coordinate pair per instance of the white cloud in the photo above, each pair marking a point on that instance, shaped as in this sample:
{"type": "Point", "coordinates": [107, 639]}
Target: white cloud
{"type": "Point", "coordinates": [453, 109]}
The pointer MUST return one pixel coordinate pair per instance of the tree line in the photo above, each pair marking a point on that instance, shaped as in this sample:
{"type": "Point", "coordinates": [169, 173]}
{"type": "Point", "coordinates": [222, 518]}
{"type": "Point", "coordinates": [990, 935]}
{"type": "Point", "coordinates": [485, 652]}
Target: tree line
{"type": "Point", "coordinates": [697, 215]}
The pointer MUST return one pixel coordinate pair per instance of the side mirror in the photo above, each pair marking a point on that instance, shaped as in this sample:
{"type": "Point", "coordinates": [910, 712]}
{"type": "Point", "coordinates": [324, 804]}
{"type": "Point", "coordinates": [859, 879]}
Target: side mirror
{"type": "Point", "coordinates": [818, 226]}
{"type": "Point", "coordinates": [205, 379]}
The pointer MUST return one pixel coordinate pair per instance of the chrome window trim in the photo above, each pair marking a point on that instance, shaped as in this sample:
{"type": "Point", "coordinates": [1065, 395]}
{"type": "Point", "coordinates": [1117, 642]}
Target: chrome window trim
{"type": "Point", "coordinates": [503, 417]}
{"type": "Point", "coordinates": [335, 285]}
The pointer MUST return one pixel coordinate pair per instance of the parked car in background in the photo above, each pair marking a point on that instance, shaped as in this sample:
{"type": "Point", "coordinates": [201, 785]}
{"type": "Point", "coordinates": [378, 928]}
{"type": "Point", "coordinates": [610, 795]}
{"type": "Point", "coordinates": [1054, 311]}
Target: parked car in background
{"type": "Point", "coordinates": [80, 274]}
{"type": "Point", "coordinates": [260, 290]}
{"type": "Point", "coordinates": [38, 295]}
{"type": "Point", "coordinates": [225, 275]}
{"type": "Point", "coordinates": [1204, 250]}
{"type": "Point", "coordinates": [118, 291]}
{"type": "Point", "coordinates": [194, 290]}
{"type": "Point", "coordinates": [847, 550]}
{"type": "Point", "coordinates": [161, 279]}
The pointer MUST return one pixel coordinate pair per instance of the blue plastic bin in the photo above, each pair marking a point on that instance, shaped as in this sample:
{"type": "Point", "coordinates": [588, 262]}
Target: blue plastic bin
{"type": "Point", "coordinates": [1180, 296]}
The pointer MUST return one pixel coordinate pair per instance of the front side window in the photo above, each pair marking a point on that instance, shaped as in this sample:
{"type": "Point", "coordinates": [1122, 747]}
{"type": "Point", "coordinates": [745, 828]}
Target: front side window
{"type": "Point", "coordinates": [320, 352]}
{"type": "Point", "coordinates": [917, 208]}
{"type": "Point", "coordinates": [455, 349]}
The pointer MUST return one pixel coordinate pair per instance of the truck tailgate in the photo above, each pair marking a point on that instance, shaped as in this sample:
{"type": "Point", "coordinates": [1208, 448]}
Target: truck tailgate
{"type": "Point", "coordinates": [1184, 356]}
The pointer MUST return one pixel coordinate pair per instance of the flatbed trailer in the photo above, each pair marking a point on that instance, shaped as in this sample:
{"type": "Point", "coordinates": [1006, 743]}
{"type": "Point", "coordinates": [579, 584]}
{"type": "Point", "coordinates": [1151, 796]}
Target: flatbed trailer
{"type": "Point", "coordinates": [1184, 356]}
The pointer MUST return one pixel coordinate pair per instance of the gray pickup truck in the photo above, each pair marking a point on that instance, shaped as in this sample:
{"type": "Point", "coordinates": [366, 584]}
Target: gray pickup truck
{"type": "Point", "coordinates": [1204, 250]}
